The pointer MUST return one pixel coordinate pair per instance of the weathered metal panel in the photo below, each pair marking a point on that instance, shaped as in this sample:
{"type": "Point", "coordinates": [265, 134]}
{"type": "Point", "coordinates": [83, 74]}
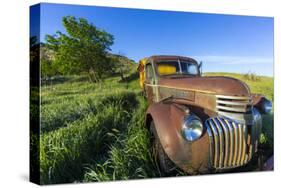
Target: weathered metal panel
{"type": "Point", "coordinates": [189, 156]}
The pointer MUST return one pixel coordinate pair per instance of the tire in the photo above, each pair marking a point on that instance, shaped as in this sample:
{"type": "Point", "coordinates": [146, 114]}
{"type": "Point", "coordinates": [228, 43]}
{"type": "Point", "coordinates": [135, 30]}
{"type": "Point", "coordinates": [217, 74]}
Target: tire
{"type": "Point", "coordinates": [163, 162]}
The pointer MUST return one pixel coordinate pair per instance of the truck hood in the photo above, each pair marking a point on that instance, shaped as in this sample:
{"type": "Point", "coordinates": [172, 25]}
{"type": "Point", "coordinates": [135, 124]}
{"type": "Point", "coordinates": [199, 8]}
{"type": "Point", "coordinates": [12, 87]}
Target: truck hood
{"type": "Point", "coordinates": [219, 85]}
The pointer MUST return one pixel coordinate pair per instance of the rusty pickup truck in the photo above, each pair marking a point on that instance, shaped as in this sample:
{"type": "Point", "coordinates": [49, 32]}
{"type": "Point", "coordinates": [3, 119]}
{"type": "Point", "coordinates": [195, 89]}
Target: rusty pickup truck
{"type": "Point", "coordinates": [200, 124]}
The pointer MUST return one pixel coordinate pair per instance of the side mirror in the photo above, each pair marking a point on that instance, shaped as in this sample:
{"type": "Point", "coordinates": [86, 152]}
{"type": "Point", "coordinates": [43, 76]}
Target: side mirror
{"type": "Point", "coordinates": [200, 68]}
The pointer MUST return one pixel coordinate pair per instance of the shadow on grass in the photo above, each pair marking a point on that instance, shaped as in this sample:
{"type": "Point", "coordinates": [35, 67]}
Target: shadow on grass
{"type": "Point", "coordinates": [130, 78]}
{"type": "Point", "coordinates": [63, 79]}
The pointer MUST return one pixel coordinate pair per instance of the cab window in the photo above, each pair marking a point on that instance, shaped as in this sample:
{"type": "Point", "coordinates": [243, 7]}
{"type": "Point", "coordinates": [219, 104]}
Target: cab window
{"type": "Point", "coordinates": [149, 73]}
{"type": "Point", "coordinates": [176, 67]}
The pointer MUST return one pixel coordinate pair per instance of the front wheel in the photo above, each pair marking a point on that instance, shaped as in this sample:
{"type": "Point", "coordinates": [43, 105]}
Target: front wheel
{"type": "Point", "coordinates": [163, 162]}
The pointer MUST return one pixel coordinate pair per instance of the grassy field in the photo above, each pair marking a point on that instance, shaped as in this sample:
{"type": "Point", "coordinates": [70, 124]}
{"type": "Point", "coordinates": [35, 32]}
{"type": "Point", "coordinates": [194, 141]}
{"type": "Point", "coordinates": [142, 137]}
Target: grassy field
{"type": "Point", "coordinates": [96, 133]}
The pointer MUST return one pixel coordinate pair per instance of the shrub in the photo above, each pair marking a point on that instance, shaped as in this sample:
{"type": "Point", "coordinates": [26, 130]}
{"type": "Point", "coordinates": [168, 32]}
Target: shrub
{"type": "Point", "coordinates": [251, 77]}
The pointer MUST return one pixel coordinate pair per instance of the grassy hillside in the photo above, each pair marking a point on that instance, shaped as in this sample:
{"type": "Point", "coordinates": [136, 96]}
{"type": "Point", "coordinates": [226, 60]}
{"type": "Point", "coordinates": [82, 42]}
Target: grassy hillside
{"type": "Point", "coordinates": [95, 133]}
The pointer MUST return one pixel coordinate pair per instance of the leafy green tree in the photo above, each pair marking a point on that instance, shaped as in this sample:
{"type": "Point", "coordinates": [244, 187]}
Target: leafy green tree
{"type": "Point", "coordinates": [121, 65]}
{"type": "Point", "coordinates": [83, 49]}
{"type": "Point", "coordinates": [48, 66]}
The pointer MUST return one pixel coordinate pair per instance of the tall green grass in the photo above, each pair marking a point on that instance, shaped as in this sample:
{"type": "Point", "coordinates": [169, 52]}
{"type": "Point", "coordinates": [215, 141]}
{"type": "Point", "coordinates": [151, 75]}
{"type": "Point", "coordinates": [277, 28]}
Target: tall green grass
{"type": "Point", "coordinates": [130, 156]}
{"type": "Point", "coordinates": [65, 152]}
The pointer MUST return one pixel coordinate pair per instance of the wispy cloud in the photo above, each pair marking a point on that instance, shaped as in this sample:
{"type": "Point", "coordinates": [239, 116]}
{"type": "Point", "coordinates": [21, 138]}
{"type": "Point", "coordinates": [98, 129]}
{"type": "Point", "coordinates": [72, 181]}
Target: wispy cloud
{"type": "Point", "coordinates": [234, 60]}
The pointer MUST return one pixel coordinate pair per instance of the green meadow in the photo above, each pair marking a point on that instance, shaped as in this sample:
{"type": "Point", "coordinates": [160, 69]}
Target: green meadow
{"type": "Point", "coordinates": [95, 132]}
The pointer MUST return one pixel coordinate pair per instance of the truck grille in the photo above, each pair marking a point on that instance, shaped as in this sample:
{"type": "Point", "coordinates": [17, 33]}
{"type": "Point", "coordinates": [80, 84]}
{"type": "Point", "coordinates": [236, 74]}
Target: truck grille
{"type": "Point", "coordinates": [234, 107]}
{"type": "Point", "coordinates": [233, 104]}
{"type": "Point", "coordinates": [231, 144]}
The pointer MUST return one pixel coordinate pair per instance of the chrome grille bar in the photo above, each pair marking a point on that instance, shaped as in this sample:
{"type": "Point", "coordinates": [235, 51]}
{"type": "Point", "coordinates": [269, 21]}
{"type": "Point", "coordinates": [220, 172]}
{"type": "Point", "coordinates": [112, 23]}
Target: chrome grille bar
{"type": "Point", "coordinates": [233, 97]}
{"type": "Point", "coordinates": [233, 109]}
{"type": "Point", "coordinates": [231, 145]}
{"type": "Point", "coordinates": [235, 143]}
{"type": "Point", "coordinates": [216, 143]}
{"type": "Point", "coordinates": [235, 103]}
{"type": "Point", "coordinates": [221, 141]}
{"type": "Point", "coordinates": [244, 145]}
{"type": "Point", "coordinates": [228, 142]}
{"type": "Point", "coordinates": [239, 144]}
{"type": "Point", "coordinates": [211, 144]}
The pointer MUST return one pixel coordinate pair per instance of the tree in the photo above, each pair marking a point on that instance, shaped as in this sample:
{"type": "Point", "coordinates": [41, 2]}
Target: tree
{"type": "Point", "coordinates": [48, 66]}
{"type": "Point", "coordinates": [83, 49]}
{"type": "Point", "coordinates": [121, 65]}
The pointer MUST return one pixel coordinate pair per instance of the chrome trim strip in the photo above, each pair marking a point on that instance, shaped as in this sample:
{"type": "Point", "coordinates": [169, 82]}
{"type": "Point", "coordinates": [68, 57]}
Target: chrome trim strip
{"type": "Point", "coordinates": [234, 109]}
{"type": "Point", "coordinates": [221, 142]}
{"type": "Point", "coordinates": [231, 154]}
{"type": "Point", "coordinates": [216, 156]}
{"type": "Point", "coordinates": [239, 144]}
{"type": "Point", "coordinates": [180, 88]}
{"type": "Point", "coordinates": [226, 137]}
{"type": "Point", "coordinates": [244, 144]}
{"type": "Point", "coordinates": [211, 138]}
{"type": "Point", "coordinates": [233, 97]}
{"type": "Point", "coordinates": [235, 143]}
{"type": "Point", "coordinates": [234, 103]}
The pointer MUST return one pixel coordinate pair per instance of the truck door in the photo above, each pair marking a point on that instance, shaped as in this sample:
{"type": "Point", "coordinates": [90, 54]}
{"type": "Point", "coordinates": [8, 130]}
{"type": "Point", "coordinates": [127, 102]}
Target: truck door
{"type": "Point", "coordinates": [150, 83]}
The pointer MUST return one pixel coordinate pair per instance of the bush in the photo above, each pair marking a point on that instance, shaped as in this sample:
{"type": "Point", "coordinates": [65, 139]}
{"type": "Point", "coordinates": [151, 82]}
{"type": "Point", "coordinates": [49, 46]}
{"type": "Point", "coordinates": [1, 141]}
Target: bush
{"type": "Point", "coordinates": [251, 77]}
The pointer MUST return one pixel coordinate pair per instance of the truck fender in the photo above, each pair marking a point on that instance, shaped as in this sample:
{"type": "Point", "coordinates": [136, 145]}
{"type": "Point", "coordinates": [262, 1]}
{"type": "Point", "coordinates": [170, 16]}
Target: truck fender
{"type": "Point", "coordinates": [189, 156]}
{"type": "Point", "coordinates": [258, 101]}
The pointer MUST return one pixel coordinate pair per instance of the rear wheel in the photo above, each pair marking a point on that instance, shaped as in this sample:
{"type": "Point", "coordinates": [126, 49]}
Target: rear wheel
{"type": "Point", "coordinates": [163, 162]}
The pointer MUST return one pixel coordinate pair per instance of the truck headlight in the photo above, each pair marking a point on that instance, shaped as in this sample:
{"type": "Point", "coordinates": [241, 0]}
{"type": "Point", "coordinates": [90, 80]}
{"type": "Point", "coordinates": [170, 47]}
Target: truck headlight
{"type": "Point", "coordinates": [266, 106]}
{"type": "Point", "coordinates": [256, 116]}
{"type": "Point", "coordinates": [192, 128]}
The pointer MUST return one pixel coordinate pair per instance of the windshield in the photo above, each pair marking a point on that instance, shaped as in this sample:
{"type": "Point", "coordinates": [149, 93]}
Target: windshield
{"type": "Point", "coordinates": [176, 67]}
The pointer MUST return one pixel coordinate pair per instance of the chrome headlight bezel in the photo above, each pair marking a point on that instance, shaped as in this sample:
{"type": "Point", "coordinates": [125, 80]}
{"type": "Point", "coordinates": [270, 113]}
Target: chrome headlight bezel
{"type": "Point", "coordinates": [192, 128]}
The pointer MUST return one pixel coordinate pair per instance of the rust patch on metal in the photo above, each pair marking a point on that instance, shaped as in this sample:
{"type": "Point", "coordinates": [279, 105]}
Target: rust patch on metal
{"type": "Point", "coordinates": [176, 93]}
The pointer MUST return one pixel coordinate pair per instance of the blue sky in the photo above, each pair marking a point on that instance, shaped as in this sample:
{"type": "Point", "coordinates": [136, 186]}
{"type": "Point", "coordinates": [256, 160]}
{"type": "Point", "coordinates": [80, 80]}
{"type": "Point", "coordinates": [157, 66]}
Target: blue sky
{"type": "Point", "coordinates": [224, 43]}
